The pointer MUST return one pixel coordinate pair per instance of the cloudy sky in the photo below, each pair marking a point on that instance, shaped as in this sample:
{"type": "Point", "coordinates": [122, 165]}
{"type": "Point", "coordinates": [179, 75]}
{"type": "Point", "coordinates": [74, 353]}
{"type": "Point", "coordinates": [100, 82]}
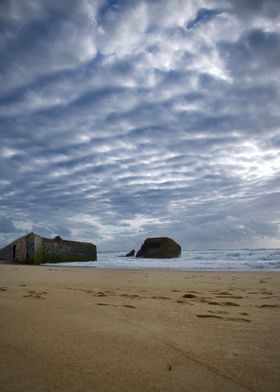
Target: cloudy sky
{"type": "Point", "coordinates": [124, 119]}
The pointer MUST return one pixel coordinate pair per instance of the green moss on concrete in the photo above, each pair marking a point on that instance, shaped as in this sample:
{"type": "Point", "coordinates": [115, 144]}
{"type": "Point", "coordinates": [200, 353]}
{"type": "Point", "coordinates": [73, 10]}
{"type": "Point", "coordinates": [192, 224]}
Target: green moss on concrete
{"type": "Point", "coordinates": [59, 258]}
{"type": "Point", "coordinates": [38, 250]}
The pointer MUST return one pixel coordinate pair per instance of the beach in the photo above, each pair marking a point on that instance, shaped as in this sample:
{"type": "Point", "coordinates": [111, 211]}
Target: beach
{"type": "Point", "coordinates": [89, 329]}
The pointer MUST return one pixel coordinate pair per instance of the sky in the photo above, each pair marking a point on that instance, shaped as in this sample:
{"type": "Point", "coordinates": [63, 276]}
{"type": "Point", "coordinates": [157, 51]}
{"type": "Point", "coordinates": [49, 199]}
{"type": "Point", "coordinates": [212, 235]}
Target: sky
{"type": "Point", "coordinates": [127, 119]}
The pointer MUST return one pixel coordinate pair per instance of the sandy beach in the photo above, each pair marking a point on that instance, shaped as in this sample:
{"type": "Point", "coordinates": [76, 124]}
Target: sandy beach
{"type": "Point", "coordinates": [75, 329]}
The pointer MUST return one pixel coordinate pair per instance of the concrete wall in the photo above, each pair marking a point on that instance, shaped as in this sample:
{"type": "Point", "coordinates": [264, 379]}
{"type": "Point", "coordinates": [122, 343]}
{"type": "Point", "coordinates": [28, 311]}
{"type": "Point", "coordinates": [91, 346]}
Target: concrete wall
{"type": "Point", "coordinates": [159, 247]}
{"type": "Point", "coordinates": [34, 249]}
{"type": "Point", "coordinates": [6, 253]}
{"type": "Point", "coordinates": [38, 249]}
{"type": "Point", "coordinates": [20, 250]}
{"type": "Point", "coordinates": [56, 250]}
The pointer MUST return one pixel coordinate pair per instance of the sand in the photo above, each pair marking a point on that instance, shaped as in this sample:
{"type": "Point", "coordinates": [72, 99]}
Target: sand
{"type": "Point", "coordinates": [75, 329]}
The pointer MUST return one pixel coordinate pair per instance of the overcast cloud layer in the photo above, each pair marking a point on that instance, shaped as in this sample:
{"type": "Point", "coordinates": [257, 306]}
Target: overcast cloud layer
{"type": "Point", "coordinates": [121, 120]}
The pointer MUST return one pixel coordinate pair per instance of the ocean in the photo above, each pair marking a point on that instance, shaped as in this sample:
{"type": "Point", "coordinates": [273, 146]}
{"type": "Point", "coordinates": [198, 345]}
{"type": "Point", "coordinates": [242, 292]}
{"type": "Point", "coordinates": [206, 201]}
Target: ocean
{"type": "Point", "coordinates": [216, 260]}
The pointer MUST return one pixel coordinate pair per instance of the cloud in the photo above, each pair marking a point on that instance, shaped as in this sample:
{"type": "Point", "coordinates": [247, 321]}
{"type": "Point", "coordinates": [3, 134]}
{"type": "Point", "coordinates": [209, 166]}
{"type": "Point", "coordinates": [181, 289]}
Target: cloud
{"type": "Point", "coordinates": [255, 53]}
{"type": "Point", "coordinates": [203, 15]}
{"type": "Point", "coordinates": [123, 119]}
{"type": "Point", "coordinates": [7, 226]}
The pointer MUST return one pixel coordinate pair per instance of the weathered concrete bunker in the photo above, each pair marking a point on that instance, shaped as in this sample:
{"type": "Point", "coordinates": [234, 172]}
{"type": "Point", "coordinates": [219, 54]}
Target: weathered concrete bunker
{"type": "Point", "coordinates": [159, 247]}
{"type": "Point", "coordinates": [34, 249]}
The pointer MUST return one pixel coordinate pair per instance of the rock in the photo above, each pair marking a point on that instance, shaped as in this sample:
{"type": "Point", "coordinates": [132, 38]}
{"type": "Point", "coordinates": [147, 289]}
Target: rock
{"type": "Point", "coordinates": [131, 253]}
{"type": "Point", "coordinates": [159, 247]}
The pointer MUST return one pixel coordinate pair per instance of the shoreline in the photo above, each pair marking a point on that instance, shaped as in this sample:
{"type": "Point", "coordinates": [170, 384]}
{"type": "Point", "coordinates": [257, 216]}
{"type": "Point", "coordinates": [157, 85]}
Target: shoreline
{"type": "Point", "coordinates": [58, 265]}
{"type": "Point", "coordinates": [161, 269]}
{"type": "Point", "coordinates": [72, 329]}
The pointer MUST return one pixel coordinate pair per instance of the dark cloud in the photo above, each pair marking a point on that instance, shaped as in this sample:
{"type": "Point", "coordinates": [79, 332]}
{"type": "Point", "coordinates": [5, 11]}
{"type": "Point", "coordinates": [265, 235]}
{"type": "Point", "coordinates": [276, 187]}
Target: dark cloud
{"type": "Point", "coordinates": [123, 119]}
{"type": "Point", "coordinates": [250, 9]}
{"type": "Point", "coordinates": [257, 52]}
{"type": "Point", "coordinates": [203, 15]}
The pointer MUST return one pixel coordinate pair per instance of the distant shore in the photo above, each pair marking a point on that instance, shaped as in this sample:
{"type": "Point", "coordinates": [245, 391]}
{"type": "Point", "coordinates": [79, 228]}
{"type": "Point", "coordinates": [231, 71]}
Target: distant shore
{"type": "Point", "coordinates": [80, 329]}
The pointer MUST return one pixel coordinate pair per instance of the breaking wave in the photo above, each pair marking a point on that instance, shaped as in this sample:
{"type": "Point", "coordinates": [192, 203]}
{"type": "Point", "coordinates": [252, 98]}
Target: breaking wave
{"type": "Point", "coordinates": [243, 259]}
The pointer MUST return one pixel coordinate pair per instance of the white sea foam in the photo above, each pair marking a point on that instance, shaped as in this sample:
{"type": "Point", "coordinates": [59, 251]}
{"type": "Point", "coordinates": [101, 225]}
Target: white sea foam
{"type": "Point", "coordinates": [253, 259]}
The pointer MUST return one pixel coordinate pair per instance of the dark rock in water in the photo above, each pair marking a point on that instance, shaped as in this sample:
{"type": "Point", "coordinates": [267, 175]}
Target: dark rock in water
{"type": "Point", "coordinates": [159, 247]}
{"type": "Point", "coordinates": [131, 253]}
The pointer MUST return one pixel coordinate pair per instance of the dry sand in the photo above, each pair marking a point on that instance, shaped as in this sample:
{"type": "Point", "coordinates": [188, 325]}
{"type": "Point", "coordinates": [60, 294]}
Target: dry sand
{"type": "Point", "coordinates": [74, 329]}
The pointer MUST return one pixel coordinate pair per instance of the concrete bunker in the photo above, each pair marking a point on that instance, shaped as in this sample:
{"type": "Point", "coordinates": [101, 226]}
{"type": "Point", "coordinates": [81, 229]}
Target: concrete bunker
{"type": "Point", "coordinates": [34, 249]}
{"type": "Point", "coordinates": [159, 247]}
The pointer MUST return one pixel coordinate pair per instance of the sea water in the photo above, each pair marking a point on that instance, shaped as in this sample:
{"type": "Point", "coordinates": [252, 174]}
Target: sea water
{"type": "Point", "coordinates": [217, 260]}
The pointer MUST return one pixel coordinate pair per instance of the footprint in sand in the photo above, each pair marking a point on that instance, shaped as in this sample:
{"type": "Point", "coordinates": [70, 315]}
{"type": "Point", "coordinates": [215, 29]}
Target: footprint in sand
{"type": "Point", "coordinates": [210, 302]}
{"type": "Point", "coordinates": [110, 292]}
{"type": "Point", "coordinates": [114, 305]}
{"type": "Point", "coordinates": [222, 292]}
{"type": "Point", "coordinates": [101, 294]}
{"type": "Point", "coordinates": [132, 296]}
{"type": "Point", "coordinates": [89, 291]}
{"type": "Point", "coordinates": [267, 294]}
{"type": "Point", "coordinates": [230, 304]}
{"type": "Point", "coordinates": [219, 303]}
{"type": "Point", "coordinates": [265, 280]}
{"type": "Point", "coordinates": [35, 294]}
{"type": "Point", "coordinates": [180, 301]}
{"type": "Point", "coordinates": [229, 296]}
{"type": "Point", "coordinates": [3, 288]}
{"type": "Point", "coordinates": [223, 318]}
{"type": "Point", "coordinates": [159, 297]}
{"type": "Point", "coordinates": [268, 306]}
{"type": "Point", "coordinates": [129, 306]}
{"type": "Point", "coordinates": [237, 319]}
{"type": "Point", "coordinates": [188, 295]}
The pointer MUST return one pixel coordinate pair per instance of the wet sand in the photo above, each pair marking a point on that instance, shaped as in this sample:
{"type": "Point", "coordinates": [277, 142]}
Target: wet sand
{"type": "Point", "coordinates": [74, 329]}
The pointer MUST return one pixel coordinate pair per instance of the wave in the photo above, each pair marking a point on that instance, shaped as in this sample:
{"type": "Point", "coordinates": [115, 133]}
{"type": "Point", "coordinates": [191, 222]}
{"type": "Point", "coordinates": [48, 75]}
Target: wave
{"type": "Point", "coordinates": [243, 259]}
